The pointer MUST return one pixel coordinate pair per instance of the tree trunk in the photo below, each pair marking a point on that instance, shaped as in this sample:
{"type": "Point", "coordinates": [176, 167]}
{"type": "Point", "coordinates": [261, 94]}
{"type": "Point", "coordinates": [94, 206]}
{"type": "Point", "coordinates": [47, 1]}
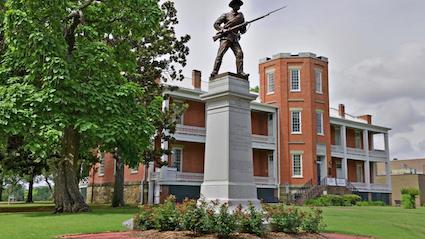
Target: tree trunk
{"type": "Point", "coordinates": [29, 195]}
{"type": "Point", "coordinates": [67, 194]}
{"type": "Point", "coordinates": [1, 189]}
{"type": "Point", "coordinates": [48, 184]}
{"type": "Point", "coordinates": [118, 196]}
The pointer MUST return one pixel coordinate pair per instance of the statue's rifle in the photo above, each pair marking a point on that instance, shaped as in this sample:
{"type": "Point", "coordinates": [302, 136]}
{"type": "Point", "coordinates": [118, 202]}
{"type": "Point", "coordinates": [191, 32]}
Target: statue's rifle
{"type": "Point", "coordinates": [220, 34]}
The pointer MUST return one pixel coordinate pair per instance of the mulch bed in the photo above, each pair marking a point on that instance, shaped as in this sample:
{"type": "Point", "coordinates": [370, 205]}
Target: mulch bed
{"type": "Point", "coordinates": [187, 235]}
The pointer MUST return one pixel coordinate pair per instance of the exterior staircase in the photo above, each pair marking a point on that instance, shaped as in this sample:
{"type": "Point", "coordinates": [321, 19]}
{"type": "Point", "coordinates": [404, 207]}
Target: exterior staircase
{"type": "Point", "coordinates": [309, 191]}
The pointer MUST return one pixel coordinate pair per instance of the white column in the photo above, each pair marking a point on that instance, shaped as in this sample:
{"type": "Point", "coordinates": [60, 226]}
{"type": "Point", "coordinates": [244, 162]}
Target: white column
{"type": "Point", "coordinates": [367, 161]}
{"type": "Point", "coordinates": [344, 146]}
{"type": "Point", "coordinates": [388, 163]}
{"type": "Point", "coordinates": [275, 152]}
{"type": "Point", "coordinates": [152, 185]}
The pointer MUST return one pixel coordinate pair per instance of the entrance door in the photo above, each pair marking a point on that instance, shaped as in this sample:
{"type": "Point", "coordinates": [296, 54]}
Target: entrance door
{"type": "Point", "coordinates": [320, 161]}
{"type": "Point", "coordinates": [338, 165]}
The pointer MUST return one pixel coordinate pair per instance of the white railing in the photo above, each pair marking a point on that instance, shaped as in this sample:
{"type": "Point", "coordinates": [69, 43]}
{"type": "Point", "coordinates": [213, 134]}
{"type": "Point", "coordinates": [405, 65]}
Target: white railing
{"type": "Point", "coordinates": [337, 149]}
{"type": "Point", "coordinates": [265, 180]}
{"type": "Point", "coordinates": [356, 151]}
{"type": "Point", "coordinates": [190, 130]}
{"type": "Point", "coordinates": [378, 154]}
{"type": "Point", "coordinates": [263, 139]}
{"type": "Point", "coordinates": [172, 175]}
{"type": "Point", "coordinates": [371, 187]}
{"type": "Point", "coordinates": [340, 182]}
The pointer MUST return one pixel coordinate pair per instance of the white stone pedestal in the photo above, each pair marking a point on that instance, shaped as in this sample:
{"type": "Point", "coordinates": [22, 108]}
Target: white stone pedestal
{"type": "Point", "coordinates": [228, 175]}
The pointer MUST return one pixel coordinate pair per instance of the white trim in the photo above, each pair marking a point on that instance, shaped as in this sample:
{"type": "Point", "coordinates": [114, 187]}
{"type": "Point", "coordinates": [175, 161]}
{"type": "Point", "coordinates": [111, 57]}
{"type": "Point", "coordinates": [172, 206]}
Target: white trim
{"type": "Point", "coordinates": [135, 170]}
{"type": "Point", "coordinates": [178, 147]}
{"type": "Point", "coordinates": [318, 70]}
{"type": "Point", "coordinates": [270, 72]}
{"type": "Point", "coordinates": [300, 122]}
{"type": "Point", "coordinates": [290, 79]}
{"type": "Point", "coordinates": [322, 127]}
{"type": "Point", "coordinates": [293, 164]}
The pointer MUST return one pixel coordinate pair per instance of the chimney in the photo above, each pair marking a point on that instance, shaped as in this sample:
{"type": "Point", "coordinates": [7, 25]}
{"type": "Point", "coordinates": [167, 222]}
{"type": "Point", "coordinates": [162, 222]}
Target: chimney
{"type": "Point", "coordinates": [368, 118]}
{"type": "Point", "coordinates": [196, 79]}
{"type": "Point", "coordinates": [341, 110]}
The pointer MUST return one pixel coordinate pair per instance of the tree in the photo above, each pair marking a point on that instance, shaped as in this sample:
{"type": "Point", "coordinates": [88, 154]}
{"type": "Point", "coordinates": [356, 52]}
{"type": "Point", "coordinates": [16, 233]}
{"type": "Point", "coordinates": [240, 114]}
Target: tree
{"type": "Point", "coordinates": [64, 83]}
{"type": "Point", "coordinates": [22, 163]}
{"type": "Point", "coordinates": [160, 54]}
{"type": "Point", "coordinates": [255, 89]}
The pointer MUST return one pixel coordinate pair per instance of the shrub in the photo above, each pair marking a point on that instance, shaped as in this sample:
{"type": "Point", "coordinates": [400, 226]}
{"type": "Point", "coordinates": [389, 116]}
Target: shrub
{"type": "Point", "coordinates": [285, 219]}
{"type": "Point", "coordinates": [351, 199]}
{"type": "Point", "coordinates": [166, 216]}
{"type": "Point", "coordinates": [144, 220]}
{"type": "Point", "coordinates": [197, 218]}
{"type": "Point", "coordinates": [251, 221]}
{"type": "Point", "coordinates": [408, 198]}
{"type": "Point", "coordinates": [371, 203]}
{"type": "Point", "coordinates": [326, 201]}
{"type": "Point", "coordinates": [312, 222]}
{"type": "Point", "coordinates": [225, 222]}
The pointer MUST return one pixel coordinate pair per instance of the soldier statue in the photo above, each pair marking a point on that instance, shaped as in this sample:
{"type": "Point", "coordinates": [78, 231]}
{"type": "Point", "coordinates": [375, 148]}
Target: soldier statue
{"type": "Point", "coordinates": [229, 38]}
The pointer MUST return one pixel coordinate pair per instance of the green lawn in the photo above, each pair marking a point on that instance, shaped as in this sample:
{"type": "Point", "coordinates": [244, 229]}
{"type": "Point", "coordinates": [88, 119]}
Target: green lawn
{"type": "Point", "coordinates": [44, 225]}
{"type": "Point", "coordinates": [379, 222]}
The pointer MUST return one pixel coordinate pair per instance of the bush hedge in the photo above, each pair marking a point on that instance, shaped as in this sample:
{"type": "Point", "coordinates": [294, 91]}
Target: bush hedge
{"type": "Point", "coordinates": [371, 203]}
{"type": "Point", "coordinates": [408, 197]}
{"type": "Point", "coordinates": [334, 200]}
{"type": "Point", "coordinates": [213, 218]}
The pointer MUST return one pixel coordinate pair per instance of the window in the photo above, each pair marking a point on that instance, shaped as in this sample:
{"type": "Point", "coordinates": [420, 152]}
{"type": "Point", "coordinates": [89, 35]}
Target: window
{"type": "Point", "coordinates": [297, 166]}
{"type": "Point", "coordinates": [319, 81]}
{"type": "Point", "coordinates": [295, 80]}
{"type": "Point", "coordinates": [101, 170]}
{"type": "Point", "coordinates": [176, 157]}
{"type": "Point", "coordinates": [271, 165]}
{"type": "Point", "coordinates": [296, 122]}
{"type": "Point", "coordinates": [179, 118]}
{"type": "Point", "coordinates": [270, 81]}
{"type": "Point", "coordinates": [319, 126]}
{"type": "Point", "coordinates": [358, 139]}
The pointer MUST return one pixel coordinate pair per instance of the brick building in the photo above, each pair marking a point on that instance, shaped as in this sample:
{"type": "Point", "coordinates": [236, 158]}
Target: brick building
{"type": "Point", "coordinates": [299, 143]}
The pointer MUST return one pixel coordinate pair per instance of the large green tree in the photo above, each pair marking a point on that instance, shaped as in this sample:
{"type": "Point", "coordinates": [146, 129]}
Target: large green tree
{"type": "Point", "coordinates": [64, 83]}
{"type": "Point", "coordinates": [161, 54]}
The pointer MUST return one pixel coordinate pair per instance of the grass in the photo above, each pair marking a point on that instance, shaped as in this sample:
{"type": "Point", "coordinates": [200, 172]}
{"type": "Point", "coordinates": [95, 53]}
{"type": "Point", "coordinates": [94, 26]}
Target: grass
{"type": "Point", "coordinates": [23, 204]}
{"type": "Point", "coordinates": [379, 222]}
{"type": "Point", "coordinates": [45, 225]}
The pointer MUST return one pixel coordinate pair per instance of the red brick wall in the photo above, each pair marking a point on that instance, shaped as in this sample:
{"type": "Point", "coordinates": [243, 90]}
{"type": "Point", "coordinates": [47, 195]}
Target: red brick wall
{"type": "Point", "coordinates": [309, 101]}
{"type": "Point", "coordinates": [260, 160]}
{"type": "Point", "coordinates": [195, 114]}
{"type": "Point", "coordinates": [259, 122]}
{"type": "Point", "coordinates": [193, 157]}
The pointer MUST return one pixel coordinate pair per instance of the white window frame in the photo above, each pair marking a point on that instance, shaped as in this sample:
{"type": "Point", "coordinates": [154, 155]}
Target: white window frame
{"type": "Point", "coordinates": [180, 121]}
{"type": "Point", "coordinates": [180, 169]}
{"type": "Point", "coordinates": [293, 165]}
{"type": "Point", "coordinates": [101, 169]}
{"type": "Point", "coordinates": [318, 80]}
{"type": "Point", "coordinates": [319, 115]}
{"type": "Point", "coordinates": [292, 122]}
{"type": "Point", "coordinates": [270, 90]}
{"type": "Point", "coordinates": [292, 89]}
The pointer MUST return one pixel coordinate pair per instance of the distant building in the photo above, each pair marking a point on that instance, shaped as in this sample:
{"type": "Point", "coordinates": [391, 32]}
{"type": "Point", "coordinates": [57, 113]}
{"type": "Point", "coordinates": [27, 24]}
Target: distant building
{"type": "Point", "coordinates": [408, 173]}
{"type": "Point", "coordinates": [299, 143]}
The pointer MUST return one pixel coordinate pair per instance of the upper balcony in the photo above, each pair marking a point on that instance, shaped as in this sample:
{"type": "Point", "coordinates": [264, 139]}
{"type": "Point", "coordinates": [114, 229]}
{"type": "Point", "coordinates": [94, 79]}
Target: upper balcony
{"type": "Point", "coordinates": [357, 153]}
{"type": "Point", "coordinates": [197, 134]}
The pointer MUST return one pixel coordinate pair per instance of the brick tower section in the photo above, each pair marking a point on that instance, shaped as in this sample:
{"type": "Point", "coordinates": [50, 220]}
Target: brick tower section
{"type": "Point", "coordinates": [311, 99]}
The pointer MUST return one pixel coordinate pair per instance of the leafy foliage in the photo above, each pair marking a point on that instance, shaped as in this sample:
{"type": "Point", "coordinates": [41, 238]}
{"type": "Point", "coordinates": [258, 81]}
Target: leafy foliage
{"type": "Point", "coordinates": [144, 220]}
{"type": "Point", "coordinates": [313, 221]}
{"type": "Point", "coordinates": [371, 203]}
{"type": "Point", "coordinates": [197, 218]}
{"type": "Point", "coordinates": [334, 200]}
{"type": "Point", "coordinates": [286, 219]}
{"type": "Point", "coordinates": [251, 220]}
{"type": "Point", "coordinates": [408, 197]}
{"type": "Point", "coordinates": [167, 217]}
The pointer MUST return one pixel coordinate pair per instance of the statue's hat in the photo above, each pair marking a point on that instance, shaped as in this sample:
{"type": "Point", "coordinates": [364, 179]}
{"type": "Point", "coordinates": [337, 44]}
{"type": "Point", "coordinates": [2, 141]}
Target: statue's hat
{"type": "Point", "coordinates": [235, 3]}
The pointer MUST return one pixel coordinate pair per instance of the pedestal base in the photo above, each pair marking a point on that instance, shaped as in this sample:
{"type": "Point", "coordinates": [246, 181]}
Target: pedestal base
{"type": "Point", "coordinates": [228, 176]}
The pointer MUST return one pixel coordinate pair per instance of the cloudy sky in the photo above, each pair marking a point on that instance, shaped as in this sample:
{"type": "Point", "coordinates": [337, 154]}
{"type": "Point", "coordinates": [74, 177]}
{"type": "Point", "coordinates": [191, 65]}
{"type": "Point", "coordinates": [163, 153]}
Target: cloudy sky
{"type": "Point", "coordinates": [376, 50]}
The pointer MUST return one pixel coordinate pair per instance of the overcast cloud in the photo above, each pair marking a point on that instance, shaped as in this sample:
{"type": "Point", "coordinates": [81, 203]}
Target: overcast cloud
{"type": "Point", "coordinates": [376, 51]}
